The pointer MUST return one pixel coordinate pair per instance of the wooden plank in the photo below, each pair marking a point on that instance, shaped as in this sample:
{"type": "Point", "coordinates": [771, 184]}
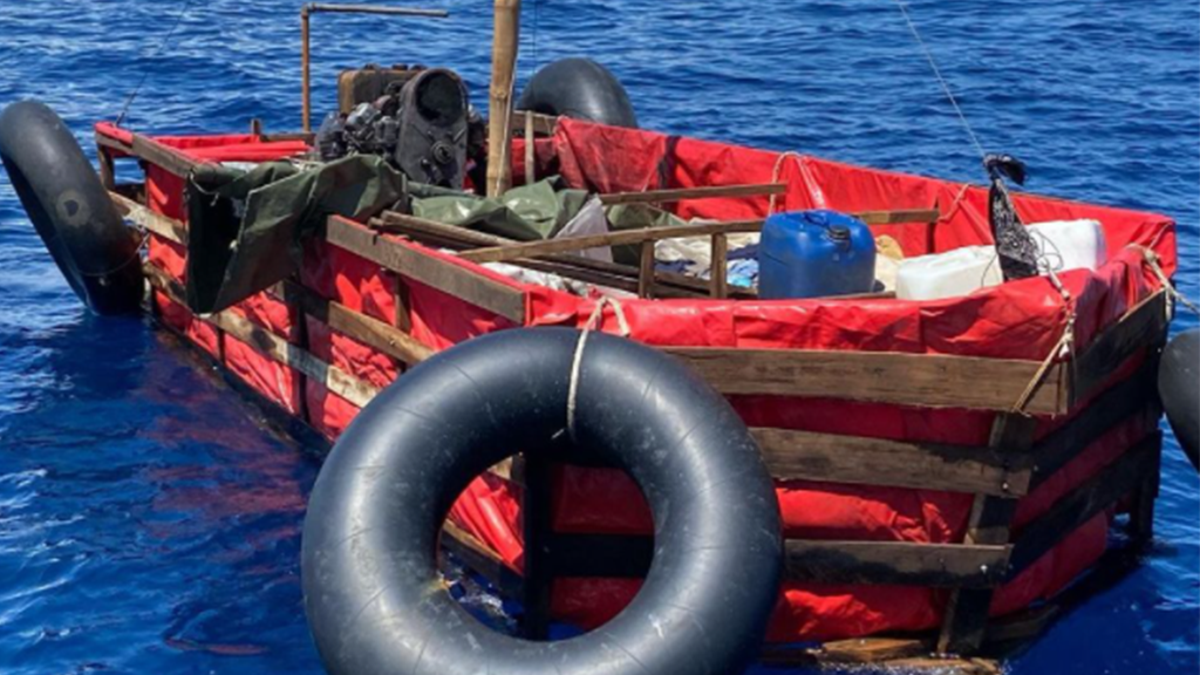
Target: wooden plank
{"type": "Point", "coordinates": [646, 271]}
{"type": "Point", "coordinates": [370, 331]}
{"type": "Point", "coordinates": [462, 283]}
{"type": "Point", "coordinates": [540, 565]}
{"type": "Point", "coordinates": [896, 563]}
{"type": "Point", "coordinates": [165, 227]}
{"type": "Point", "coordinates": [477, 556]}
{"type": "Point", "coordinates": [543, 125]}
{"type": "Point", "coordinates": [964, 624]}
{"type": "Point", "coordinates": [1141, 327]}
{"type": "Point", "coordinates": [615, 275]}
{"type": "Point", "coordinates": [1136, 395]}
{"type": "Point", "coordinates": [860, 651]}
{"type": "Point", "coordinates": [886, 377]}
{"type": "Point", "coordinates": [336, 380]}
{"type": "Point", "coordinates": [873, 461]}
{"type": "Point", "coordinates": [170, 160]}
{"type": "Point", "coordinates": [899, 217]}
{"type": "Point", "coordinates": [535, 249]}
{"type": "Point", "coordinates": [680, 194]}
{"type": "Point", "coordinates": [1086, 501]}
{"type": "Point", "coordinates": [719, 267]}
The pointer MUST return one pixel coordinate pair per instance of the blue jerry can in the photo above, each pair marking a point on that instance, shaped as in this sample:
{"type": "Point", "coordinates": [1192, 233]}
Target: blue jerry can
{"type": "Point", "coordinates": [813, 254]}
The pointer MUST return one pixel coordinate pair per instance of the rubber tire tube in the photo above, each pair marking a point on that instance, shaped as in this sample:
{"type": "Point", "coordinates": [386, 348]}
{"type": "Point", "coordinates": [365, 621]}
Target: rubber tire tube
{"type": "Point", "coordinates": [1179, 388]}
{"type": "Point", "coordinates": [70, 209]}
{"type": "Point", "coordinates": [581, 89]}
{"type": "Point", "coordinates": [372, 592]}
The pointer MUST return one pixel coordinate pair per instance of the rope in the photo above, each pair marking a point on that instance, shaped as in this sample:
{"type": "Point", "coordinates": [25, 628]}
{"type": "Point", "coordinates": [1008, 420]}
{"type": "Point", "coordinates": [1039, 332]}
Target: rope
{"type": "Point", "coordinates": [776, 171]}
{"type": "Point", "coordinates": [1064, 347]}
{"type": "Point", "coordinates": [146, 73]}
{"type": "Point", "coordinates": [593, 322]}
{"type": "Point", "coordinates": [912, 27]}
{"type": "Point", "coordinates": [1152, 260]}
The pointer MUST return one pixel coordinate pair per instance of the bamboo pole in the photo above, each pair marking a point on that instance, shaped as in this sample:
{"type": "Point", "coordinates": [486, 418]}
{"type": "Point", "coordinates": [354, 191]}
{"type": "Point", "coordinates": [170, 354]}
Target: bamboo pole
{"type": "Point", "coordinates": [504, 60]}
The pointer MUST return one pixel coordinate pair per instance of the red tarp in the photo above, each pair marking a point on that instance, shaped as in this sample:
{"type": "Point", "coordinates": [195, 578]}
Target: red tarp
{"type": "Point", "coordinates": [1021, 320]}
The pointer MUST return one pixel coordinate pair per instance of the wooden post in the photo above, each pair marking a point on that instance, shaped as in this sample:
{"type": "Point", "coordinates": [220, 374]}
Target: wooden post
{"type": "Point", "coordinates": [646, 271]}
{"type": "Point", "coordinates": [717, 271]}
{"type": "Point", "coordinates": [530, 154]}
{"type": "Point", "coordinates": [965, 622]}
{"type": "Point", "coordinates": [538, 574]}
{"type": "Point", "coordinates": [305, 91]}
{"type": "Point", "coordinates": [504, 60]}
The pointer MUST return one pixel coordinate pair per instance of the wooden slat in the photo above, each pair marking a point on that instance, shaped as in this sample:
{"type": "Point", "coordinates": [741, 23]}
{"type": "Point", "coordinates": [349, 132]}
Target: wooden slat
{"type": "Point", "coordinates": [615, 275]}
{"type": "Point", "coordinates": [1086, 501]}
{"type": "Point", "coordinates": [1134, 396]}
{"type": "Point", "coordinates": [336, 380]}
{"type": "Point", "coordinates": [475, 555]}
{"type": "Point", "coordinates": [719, 268]}
{"type": "Point", "coordinates": [352, 389]}
{"type": "Point", "coordinates": [459, 282]}
{"type": "Point", "coordinates": [964, 624]}
{"type": "Point", "coordinates": [543, 125]}
{"type": "Point", "coordinates": [872, 461]}
{"type": "Point", "coordinates": [885, 377]}
{"type": "Point", "coordinates": [169, 159]}
{"type": "Point", "coordinates": [1141, 327]}
{"type": "Point", "coordinates": [896, 563]}
{"type": "Point", "coordinates": [898, 217]}
{"type": "Point", "coordinates": [646, 271]}
{"type": "Point", "coordinates": [535, 249]}
{"type": "Point", "coordinates": [165, 227]}
{"type": "Point", "coordinates": [373, 332]}
{"type": "Point", "coordinates": [680, 194]}
{"type": "Point", "coordinates": [861, 651]}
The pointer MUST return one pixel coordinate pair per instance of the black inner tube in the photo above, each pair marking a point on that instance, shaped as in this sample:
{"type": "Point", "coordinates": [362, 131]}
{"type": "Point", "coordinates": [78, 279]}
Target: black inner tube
{"type": "Point", "coordinates": [70, 209]}
{"type": "Point", "coordinates": [373, 594]}
{"type": "Point", "coordinates": [581, 89]}
{"type": "Point", "coordinates": [1179, 388]}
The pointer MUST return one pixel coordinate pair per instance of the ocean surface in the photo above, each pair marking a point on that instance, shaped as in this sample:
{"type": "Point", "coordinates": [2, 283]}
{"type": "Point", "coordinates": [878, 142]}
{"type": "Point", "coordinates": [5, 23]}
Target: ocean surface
{"type": "Point", "coordinates": [150, 521]}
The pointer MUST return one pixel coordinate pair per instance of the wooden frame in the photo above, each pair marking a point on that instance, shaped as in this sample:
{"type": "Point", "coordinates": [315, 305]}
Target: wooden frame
{"type": "Point", "coordinates": [1014, 462]}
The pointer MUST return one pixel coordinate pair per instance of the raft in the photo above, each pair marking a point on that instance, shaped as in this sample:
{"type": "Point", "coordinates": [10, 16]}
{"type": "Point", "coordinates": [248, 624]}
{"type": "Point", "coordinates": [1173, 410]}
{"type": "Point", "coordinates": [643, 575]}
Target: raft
{"type": "Point", "coordinates": [946, 470]}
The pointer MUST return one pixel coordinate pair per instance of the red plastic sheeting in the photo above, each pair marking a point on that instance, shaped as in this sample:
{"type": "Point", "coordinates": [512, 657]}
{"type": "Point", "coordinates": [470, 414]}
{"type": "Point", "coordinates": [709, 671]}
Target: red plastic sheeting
{"type": "Point", "coordinates": [1021, 320]}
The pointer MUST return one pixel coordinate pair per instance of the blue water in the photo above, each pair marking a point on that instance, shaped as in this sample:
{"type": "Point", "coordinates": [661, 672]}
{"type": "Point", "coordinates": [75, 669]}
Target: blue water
{"type": "Point", "coordinates": [149, 522]}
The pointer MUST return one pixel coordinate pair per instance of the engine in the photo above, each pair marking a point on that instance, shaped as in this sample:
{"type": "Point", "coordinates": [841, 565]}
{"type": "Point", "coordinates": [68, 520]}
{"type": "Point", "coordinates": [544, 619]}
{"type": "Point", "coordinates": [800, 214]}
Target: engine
{"type": "Point", "coordinates": [424, 126]}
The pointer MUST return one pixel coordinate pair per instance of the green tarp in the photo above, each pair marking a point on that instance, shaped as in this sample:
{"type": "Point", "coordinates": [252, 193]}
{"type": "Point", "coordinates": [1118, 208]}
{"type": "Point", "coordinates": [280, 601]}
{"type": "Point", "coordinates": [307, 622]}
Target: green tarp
{"type": "Point", "coordinates": [248, 227]}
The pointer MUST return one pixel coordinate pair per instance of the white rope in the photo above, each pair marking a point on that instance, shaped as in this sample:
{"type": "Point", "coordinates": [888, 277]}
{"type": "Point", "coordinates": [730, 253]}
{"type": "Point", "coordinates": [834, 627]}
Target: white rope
{"type": "Point", "coordinates": [1152, 260]}
{"type": "Point", "coordinates": [593, 323]}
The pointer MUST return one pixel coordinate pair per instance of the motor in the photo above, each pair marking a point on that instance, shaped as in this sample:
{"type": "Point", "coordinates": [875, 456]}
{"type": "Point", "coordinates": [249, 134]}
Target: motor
{"type": "Point", "coordinates": [422, 125]}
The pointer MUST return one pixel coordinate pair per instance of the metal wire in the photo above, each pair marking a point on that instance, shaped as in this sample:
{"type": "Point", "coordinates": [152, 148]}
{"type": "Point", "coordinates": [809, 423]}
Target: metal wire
{"type": "Point", "coordinates": [145, 70]}
{"type": "Point", "coordinates": [912, 27]}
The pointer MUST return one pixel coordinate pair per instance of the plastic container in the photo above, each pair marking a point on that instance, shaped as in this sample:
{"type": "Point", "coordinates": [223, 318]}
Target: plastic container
{"type": "Point", "coordinates": [812, 254]}
{"type": "Point", "coordinates": [1070, 244]}
{"type": "Point", "coordinates": [949, 274]}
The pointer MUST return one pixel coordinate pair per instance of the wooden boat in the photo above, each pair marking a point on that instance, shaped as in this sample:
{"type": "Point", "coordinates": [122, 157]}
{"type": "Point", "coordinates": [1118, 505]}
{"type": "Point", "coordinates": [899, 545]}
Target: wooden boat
{"type": "Point", "coordinates": [945, 468]}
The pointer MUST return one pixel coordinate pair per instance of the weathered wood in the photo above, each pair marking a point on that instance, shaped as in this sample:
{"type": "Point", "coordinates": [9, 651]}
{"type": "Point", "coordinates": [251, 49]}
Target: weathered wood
{"type": "Point", "coordinates": [462, 283]}
{"type": "Point", "coordinates": [615, 275]}
{"type": "Point", "coordinates": [860, 651]}
{"type": "Point", "coordinates": [530, 156]}
{"type": "Point", "coordinates": [896, 563]}
{"type": "Point", "coordinates": [873, 461]}
{"type": "Point", "coordinates": [964, 625]}
{"type": "Point", "coordinates": [370, 331]}
{"type": "Point", "coordinates": [1136, 395]}
{"type": "Point", "coordinates": [336, 380]}
{"type": "Point", "coordinates": [1141, 327]}
{"type": "Point", "coordinates": [275, 347]}
{"type": "Point", "coordinates": [719, 269]}
{"type": "Point", "coordinates": [535, 249]}
{"type": "Point", "coordinates": [680, 194]}
{"type": "Point", "coordinates": [167, 228]}
{"type": "Point", "coordinates": [912, 379]}
{"type": "Point", "coordinates": [646, 271]}
{"type": "Point", "coordinates": [543, 125]}
{"type": "Point", "coordinates": [505, 42]}
{"type": "Point", "coordinates": [169, 159]}
{"type": "Point", "coordinates": [1103, 490]}
{"type": "Point", "coordinates": [475, 555]}
{"type": "Point", "coordinates": [899, 217]}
